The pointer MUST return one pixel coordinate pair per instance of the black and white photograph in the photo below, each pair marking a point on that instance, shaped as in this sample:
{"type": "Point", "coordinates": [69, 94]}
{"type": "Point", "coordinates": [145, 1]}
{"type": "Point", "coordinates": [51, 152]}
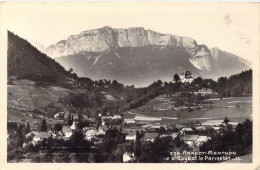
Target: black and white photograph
{"type": "Point", "coordinates": [131, 82]}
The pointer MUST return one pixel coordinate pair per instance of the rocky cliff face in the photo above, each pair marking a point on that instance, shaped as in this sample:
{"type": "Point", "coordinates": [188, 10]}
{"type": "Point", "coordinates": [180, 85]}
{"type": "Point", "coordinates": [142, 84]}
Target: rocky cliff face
{"type": "Point", "coordinates": [131, 65]}
{"type": "Point", "coordinates": [138, 56]}
{"type": "Point", "coordinates": [106, 38]}
{"type": "Point", "coordinates": [201, 59]}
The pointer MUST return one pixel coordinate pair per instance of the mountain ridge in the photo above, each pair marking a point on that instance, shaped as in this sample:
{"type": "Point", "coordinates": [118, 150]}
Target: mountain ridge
{"type": "Point", "coordinates": [215, 51]}
{"type": "Point", "coordinates": [102, 39]}
{"type": "Point", "coordinates": [139, 56]}
{"type": "Point", "coordinates": [131, 65]}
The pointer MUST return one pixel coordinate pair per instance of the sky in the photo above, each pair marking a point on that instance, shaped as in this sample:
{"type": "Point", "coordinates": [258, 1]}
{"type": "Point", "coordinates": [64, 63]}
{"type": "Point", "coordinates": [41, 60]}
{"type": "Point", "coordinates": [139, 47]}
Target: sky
{"type": "Point", "coordinates": [233, 27]}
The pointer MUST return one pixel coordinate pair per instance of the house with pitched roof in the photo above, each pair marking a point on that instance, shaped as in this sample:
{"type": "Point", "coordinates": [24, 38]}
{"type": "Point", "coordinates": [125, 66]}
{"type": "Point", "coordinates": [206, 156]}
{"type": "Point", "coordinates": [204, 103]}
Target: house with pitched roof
{"type": "Point", "coordinates": [91, 134]}
{"type": "Point", "coordinates": [42, 135]}
{"type": "Point", "coordinates": [165, 135]}
{"type": "Point", "coordinates": [129, 121]}
{"type": "Point", "coordinates": [190, 139]}
{"type": "Point", "coordinates": [201, 140]}
{"type": "Point", "coordinates": [131, 136]}
{"type": "Point", "coordinates": [127, 129]}
{"type": "Point", "coordinates": [59, 115]}
{"type": "Point", "coordinates": [32, 133]}
{"type": "Point", "coordinates": [67, 131]}
{"type": "Point", "coordinates": [102, 129]}
{"type": "Point", "coordinates": [127, 157]}
{"type": "Point", "coordinates": [150, 136]}
{"type": "Point", "coordinates": [174, 135]}
{"type": "Point", "coordinates": [186, 130]}
{"type": "Point", "coordinates": [117, 117]}
{"type": "Point", "coordinates": [200, 127]}
{"type": "Point", "coordinates": [204, 91]}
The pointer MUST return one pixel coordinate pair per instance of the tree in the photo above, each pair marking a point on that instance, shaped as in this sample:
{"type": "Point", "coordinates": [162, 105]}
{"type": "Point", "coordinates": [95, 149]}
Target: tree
{"type": "Point", "coordinates": [76, 139]}
{"type": "Point", "coordinates": [226, 120]}
{"type": "Point", "coordinates": [99, 122]}
{"type": "Point", "coordinates": [176, 78]}
{"type": "Point", "coordinates": [43, 127]}
{"type": "Point", "coordinates": [222, 86]}
{"type": "Point", "coordinates": [12, 127]}
{"type": "Point", "coordinates": [155, 151]}
{"type": "Point", "coordinates": [69, 120]}
{"type": "Point", "coordinates": [198, 81]}
{"type": "Point", "coordinates": [20, 135]}
{"type": "Point", "coordinates": [115, 84]}
{"type": "Point", "coordinates": [72, 119]}
{"type": "Point", "coordinates": [80, 124]}
{"type": "Point", "coordinates": [57, 127]}
{"type": "Point", "coordinates": [70, 70]}
{"type": "Point", "coordinates": [138, 149]}
{"type": "Point", "coordinates": [28, 128]}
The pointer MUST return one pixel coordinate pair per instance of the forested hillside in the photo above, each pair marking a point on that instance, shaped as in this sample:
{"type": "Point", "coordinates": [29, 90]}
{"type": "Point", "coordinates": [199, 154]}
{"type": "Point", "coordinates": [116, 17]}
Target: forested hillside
{"type": "Point", "coordinates": [236, 85]}
{"type": "Point", "coordinates": [26, 62]}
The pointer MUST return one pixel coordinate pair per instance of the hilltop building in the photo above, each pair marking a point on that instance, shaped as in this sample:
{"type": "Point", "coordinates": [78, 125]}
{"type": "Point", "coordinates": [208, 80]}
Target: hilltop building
{"type": "Point", "coordinates": [186, 77]}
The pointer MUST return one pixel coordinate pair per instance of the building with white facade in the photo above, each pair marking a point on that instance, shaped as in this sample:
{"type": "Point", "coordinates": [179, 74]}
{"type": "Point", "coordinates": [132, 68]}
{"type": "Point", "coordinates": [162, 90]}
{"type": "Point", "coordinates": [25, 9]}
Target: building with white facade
{"type": "Point", "coordinates": [186, 77]}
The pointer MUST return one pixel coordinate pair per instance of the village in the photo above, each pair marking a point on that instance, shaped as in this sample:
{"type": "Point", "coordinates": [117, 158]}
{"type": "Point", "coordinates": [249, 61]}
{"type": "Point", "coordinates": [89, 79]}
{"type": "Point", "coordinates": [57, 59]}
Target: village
{"type": "Point", "coordinates": [90, 133]}
{"type": "Point", "coordinates": [94, 133]}
{"type": "Point", "coordinates": [147, 85]}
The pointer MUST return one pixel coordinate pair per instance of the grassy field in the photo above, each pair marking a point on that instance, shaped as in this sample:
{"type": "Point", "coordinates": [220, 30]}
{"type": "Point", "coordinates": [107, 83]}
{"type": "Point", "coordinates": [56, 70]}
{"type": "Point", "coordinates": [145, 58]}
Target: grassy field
{"type": "Point", "coordinates": [26, 116]}
{"type": "Point", "coordinates": [24, 98]}
{"type": "Point", "coordinates": [235, 108]}
{"type": "Point", "coordinates": [28, 98]}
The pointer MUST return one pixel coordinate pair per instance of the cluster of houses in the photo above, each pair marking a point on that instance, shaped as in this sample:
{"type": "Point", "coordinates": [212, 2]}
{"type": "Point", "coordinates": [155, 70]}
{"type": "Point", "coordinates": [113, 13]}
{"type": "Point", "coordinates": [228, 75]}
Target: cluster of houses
{"type": "Point", "coordinates": [188, 135]}
{"type": "Point", "coordinates": [129, 126]}
{"type": "Point", "coordinates": [91, 132]}
{"type": "Point", "coordinates": [206, 92]}
{"type": "Point", "coordinates": [152, 132]}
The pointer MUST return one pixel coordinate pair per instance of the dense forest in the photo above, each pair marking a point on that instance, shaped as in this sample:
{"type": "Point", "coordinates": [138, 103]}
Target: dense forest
{"type": "Point", "coordinates": [26, 62]}
{"type": "Point", "coordinates": [236, 85]}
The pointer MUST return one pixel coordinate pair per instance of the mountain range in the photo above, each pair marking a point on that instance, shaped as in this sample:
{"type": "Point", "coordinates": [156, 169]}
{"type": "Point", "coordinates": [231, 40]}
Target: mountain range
{"type": "Point", "coordinates": [138, 56]}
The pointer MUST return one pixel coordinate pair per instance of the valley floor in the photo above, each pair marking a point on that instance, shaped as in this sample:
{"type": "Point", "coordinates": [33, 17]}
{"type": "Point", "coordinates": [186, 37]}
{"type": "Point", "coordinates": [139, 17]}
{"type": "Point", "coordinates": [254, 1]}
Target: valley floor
{"type": "Point", "coordinates": [237, 109]}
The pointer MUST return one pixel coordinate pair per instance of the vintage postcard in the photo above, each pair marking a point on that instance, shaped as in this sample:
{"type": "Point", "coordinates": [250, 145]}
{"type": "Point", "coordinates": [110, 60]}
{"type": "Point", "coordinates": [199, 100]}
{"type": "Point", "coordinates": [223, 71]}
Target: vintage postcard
{"type": "Point", "coordinates": [146, 85]}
